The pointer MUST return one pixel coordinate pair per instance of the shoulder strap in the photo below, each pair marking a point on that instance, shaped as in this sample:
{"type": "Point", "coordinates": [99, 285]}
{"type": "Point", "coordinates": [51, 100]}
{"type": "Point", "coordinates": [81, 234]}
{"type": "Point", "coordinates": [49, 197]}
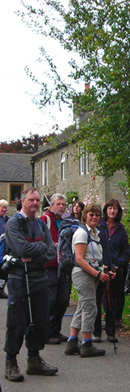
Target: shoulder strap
{"type": "Point", "coordinates": [48, 222]}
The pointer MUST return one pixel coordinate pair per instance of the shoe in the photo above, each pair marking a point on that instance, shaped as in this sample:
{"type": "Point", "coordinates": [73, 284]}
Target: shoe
{"type": "Point", "coordinates": [72, 347]}
{"type": "Point", "coordinates": [36, 365]}
{"type": "Point", "coordinates": [12, 371]}
{"type": "Point", "coordinates": [53, 341]}
{"type": "Point", "coordinates": [62, 337]}
{"type": "Point", "coordinates": [88, 350]}
{"type": "Point", "coordinates": [3, 294]}
{"type": "Point", "coordinates": [112, 339]}
{"type": "Point", "coordinates": [96, 339]}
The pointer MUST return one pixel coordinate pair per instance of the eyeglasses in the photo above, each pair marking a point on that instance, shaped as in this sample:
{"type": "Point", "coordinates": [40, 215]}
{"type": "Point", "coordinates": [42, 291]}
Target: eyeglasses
{"type": "Point", "coordinates": [91, 214]}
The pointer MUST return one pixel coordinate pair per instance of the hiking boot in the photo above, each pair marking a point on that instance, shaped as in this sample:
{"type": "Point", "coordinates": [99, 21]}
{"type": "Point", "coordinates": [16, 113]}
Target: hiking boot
{"type": "Point", "coordinates": [72, 347]}
{"type": "Point", "coordinates": [88, 350]}
{"type": "Point", "coordinates": [36, 365]}
{"type": "Point", "coordinates": [62, 337]}
{"type": "Point", "coordinates": [3, 294]}
{"type": "Point", "coordinates": [53, 341]}
{"type": "Point", "coordinates": [112, 339]}
{"type": "Point", "coordinates": [12, 371]}
{"type": "Point", "coordinates": [96, 339]}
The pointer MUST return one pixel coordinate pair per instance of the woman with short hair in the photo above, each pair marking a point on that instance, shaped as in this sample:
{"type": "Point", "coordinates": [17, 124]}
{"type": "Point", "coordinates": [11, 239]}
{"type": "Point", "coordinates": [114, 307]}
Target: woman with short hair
{"type": "Point", "coordinates": [85, 276]}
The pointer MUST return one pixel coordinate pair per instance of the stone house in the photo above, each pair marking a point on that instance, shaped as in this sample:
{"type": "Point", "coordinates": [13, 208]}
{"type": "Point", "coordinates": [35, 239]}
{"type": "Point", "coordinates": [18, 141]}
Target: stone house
{"type": "Point", "coordinates": [61, 167]}
{"type": "Point", "coordinates": [15, 176]}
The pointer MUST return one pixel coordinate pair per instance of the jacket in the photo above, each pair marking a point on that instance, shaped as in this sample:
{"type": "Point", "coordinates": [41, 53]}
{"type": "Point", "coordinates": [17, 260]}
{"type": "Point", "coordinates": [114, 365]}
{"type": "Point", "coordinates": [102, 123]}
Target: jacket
{"type": "Point", "coordinates": [116, 250]}
{"type": "Point", "coordinates": [54, 233]}
{"type": "Point", "coordinates": [29, 238]}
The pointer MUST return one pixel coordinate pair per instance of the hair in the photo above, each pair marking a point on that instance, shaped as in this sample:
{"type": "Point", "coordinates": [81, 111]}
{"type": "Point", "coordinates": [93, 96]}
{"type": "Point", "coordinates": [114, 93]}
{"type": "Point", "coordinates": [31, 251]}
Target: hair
{"type": "Point", "coordinates": [30, 189]}
{"type": "Point", "coordinates": [55, 197]}
{"type": "Point", "coordinates": [4, 203]}
{"type": "Point", "coordinates": [19, 205]}
{"type": "Point", "coordinates": [90, 208]}
{"type": "Point", "coordinates": [81, 205]}
{"type": "Point", "coordinates": [113, 202]}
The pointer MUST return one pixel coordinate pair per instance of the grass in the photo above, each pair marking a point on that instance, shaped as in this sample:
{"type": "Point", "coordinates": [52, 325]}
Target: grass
{"type": "Point", "coordinates": [126, 311]}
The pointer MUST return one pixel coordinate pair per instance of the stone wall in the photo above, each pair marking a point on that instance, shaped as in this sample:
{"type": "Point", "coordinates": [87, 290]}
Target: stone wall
{"type": "Point", "coordinates": [82, 184]}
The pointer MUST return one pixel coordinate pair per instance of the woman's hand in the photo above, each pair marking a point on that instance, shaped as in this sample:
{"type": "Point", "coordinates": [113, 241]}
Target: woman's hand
{"type": "Point", "coordinates": [104, 277]}
{"type": "Point", "coordinates": [107, 277]}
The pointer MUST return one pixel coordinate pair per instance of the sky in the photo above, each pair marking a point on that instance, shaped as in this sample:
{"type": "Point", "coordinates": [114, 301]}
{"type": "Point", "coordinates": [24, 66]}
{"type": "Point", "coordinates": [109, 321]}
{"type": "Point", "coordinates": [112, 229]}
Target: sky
{"type": "Point", "coordinates": [19, 47]}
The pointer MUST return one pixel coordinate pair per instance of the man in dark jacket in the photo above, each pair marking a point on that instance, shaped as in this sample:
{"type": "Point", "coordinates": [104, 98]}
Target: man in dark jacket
{"type": "Point", "coordinates": [3, 220]}
{"type": "Point", "coordinates": [30, 243]}
{"type": "Point", "coordinates": [57, 285]}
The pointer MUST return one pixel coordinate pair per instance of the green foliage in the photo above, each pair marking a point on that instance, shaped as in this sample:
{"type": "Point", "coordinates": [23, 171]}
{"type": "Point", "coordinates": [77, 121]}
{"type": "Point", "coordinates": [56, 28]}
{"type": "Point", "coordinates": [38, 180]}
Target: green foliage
{"type": "Point", "coordinates": [126, 311]}
{"type": "Point", "coordinates": [98, 32]}
{"type": "Point", "coordinates": [126, 221]}
{"type": "Point", "coordinates": [74, 294]}
{"type": "Point", "coordinates": [71, 197]}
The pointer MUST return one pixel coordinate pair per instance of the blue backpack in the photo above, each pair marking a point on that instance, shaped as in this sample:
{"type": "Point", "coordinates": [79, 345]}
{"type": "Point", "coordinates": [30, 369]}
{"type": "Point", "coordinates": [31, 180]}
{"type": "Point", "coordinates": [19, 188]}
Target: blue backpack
{"type": "Point", "coordinates": [2, 247]}
{"type": "Point", "coordinates": [2, 241]}
{"type": "Point", "coordinates": [65, 257]}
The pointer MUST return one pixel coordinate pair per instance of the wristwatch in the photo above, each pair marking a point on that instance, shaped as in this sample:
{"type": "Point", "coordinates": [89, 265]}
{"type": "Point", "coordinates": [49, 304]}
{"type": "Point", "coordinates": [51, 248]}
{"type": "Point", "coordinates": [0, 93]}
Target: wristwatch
{"type": "Point", "coordinates": [98, 275]}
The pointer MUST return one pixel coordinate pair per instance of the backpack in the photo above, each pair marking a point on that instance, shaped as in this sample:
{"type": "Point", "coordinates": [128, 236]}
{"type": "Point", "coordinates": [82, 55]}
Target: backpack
{"type": "Point", "coordinates": [2, 242]}
{"type": "Point", "coordinates": [2, 247]}
{"type": "Point", "coordinates": [65, 257]}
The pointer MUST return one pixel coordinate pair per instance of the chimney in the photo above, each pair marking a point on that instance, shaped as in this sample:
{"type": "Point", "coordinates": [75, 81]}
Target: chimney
{"type": "Point", "coordinates": [87, 87]}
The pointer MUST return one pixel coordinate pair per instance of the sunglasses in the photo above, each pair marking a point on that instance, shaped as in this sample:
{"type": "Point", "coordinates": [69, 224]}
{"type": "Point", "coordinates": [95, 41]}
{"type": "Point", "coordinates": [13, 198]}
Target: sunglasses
{"type": "Point", "coordinates": [91, 214]}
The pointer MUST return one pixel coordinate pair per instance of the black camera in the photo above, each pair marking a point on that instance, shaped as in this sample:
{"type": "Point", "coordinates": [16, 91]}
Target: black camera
{"type": "Point", "coordinates": [8, 262]}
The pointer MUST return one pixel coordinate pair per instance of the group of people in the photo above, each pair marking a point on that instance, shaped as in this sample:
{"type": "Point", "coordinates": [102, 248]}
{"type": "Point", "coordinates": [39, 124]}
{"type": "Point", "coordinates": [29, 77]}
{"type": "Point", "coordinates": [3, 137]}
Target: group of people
{"type": "Point", "coordinates": [31, 243]}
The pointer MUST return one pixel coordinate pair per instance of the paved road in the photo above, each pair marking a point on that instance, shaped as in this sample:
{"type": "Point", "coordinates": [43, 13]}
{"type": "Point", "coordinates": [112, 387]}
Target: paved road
{"type": "Point", "coordinates": [110, 373]}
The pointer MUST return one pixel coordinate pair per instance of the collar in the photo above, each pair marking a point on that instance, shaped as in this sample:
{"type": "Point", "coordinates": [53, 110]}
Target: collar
{"type": "Point", "coordinates": [91, 230]}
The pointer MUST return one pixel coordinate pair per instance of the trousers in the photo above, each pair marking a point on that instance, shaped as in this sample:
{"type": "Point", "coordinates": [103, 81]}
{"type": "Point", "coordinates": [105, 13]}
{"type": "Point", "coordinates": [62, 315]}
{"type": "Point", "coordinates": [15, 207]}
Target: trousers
{"type": "Point", "coordinates": [86, 311]}
{"type": "Point", "coordinates": [57, 301]}
{"type": "Point", "coordinates": [18, 317]}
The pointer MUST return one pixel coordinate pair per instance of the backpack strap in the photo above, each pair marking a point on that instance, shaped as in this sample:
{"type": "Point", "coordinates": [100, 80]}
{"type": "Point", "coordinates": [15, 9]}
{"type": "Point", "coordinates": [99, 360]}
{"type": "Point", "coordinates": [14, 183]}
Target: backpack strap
{"type": "Point", "coordinates": [48, 222]}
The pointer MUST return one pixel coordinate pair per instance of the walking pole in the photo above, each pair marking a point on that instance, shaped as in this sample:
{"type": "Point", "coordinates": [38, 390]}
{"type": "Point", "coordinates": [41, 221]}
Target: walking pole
{"type": "Point", "coordinates": [31, 325]}
{"type": "Point", "coordinates": [106, 292]}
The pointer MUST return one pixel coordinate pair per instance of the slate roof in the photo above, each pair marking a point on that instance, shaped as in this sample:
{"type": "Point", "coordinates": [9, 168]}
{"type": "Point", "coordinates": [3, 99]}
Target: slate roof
{"type": "Point", "coordinates": [15, 167]}
{"type": "Point", "coordinates": [70, 134]}
{"type": "Point", "coordinates": [57, 142]}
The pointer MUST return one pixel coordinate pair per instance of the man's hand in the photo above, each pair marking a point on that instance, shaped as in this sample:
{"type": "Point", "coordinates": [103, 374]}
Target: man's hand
{"type": "Point", "coordinates": [26, 260]}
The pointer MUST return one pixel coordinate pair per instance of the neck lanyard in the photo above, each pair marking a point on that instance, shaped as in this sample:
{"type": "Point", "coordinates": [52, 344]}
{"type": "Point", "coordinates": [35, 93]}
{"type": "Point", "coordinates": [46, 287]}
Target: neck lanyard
{"type": "Point", "coordinates": [89, 236]}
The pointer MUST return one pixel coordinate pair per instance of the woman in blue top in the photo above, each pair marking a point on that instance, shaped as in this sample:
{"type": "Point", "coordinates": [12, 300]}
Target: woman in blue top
{"type": "Point", "coordinates": [116, 252]}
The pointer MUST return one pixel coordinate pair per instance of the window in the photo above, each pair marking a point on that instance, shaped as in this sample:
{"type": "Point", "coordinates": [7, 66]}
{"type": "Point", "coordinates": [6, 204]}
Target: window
{"type": "Point", "coordinates": [15, 192]}
{"type": "Point", "coordinates": [45, 172]}
{"type": "Point", "coordinates": [83, 162]}
{"type": "Point", "coordinates": [63, 166]}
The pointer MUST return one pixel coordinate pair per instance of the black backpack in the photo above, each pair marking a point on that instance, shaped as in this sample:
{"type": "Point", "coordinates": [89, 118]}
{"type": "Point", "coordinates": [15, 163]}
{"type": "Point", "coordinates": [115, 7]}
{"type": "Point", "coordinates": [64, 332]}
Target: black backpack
{"type": "Point", "coordinates": [65, 257]}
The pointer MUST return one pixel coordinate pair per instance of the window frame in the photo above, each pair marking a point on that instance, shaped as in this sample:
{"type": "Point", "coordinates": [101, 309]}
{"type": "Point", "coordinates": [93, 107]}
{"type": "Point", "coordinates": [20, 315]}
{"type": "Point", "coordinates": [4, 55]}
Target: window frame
{"type": "Point", "coordinates": [44, 173]}
{"type": "Point", "coordinates": [63, 166]}
{"type": "Point", "coordinates": [19, 185]}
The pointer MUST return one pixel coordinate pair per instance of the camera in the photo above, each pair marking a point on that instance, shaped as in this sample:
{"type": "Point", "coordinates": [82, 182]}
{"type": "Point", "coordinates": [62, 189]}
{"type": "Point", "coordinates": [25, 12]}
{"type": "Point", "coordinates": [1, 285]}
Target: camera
{"type": "Point", "coordinates": [8, 262]}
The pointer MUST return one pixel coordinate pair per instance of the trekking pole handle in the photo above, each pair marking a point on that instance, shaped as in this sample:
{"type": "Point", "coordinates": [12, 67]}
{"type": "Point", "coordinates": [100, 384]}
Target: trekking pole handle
{"type": "Point", "coordinates": [115, 269]}
{"type": "Point", "coordinates": [105, 269]}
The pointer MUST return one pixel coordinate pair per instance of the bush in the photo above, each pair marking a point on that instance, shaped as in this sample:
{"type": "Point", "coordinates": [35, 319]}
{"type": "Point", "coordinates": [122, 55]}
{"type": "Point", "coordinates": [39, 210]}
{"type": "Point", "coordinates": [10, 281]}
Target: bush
{"type": "Point", "coordinates": [71, 197]}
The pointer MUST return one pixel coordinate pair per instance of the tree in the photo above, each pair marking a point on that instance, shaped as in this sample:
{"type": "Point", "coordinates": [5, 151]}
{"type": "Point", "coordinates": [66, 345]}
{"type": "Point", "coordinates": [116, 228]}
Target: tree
{"type": "Point", "coordinates": [99, 31]}
{"type": "Point", "coordinates": [26, 145]}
